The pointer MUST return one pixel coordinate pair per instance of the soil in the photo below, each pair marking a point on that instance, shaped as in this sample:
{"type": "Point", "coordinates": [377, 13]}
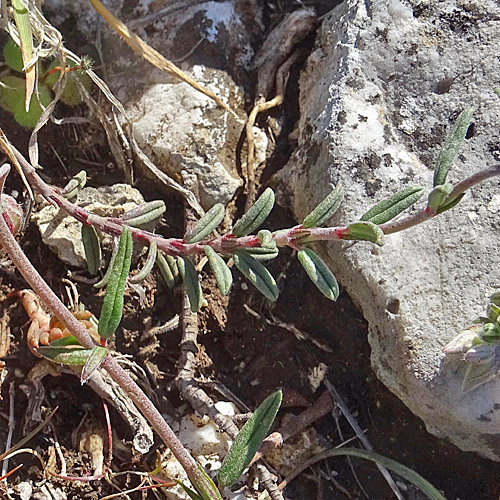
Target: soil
{"type": "Point", "coordinates": [243, 349]}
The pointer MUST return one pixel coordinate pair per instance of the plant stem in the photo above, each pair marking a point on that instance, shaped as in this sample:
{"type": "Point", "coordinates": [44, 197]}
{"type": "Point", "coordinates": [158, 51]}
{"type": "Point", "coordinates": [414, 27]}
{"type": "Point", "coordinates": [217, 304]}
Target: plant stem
{"type": "Point", "coordinates": [116, 372]}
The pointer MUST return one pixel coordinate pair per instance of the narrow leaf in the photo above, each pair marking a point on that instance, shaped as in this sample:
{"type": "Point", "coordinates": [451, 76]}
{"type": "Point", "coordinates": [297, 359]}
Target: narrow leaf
{"type": "Point", "coordinates": [71, 355]}
{"type": "Point", "coordinates": [438, 195]}
{"type": "Point", "coordinates": [144, 213]}
{"type": "Point", "coordinates": [221, 272]}
{"type": "Point", "coordinates": [401, 470]}
{"type": "Point", "coordinates": [207, 223]}
{"type": "Point", "coordinates": [256, 215]}
{"type": "Point", "coordinates": [93, 362]}
{"type": "Point", "coordinates": [478, 374]}
{"type": "Point", "coordinates": [365, 231]}
{"type": "Point", "coordinates": [191, 282]}
{"type": "Point", "coordinates": [112, 307]}
{"type": "Point", "coordinates": [192, 494]}
{"type": "Point", "coordinates": [388, 209]}
{"type": "Point", "coordinates": [92, 248]}
{"type": "Point", "coordinates": [168, 268]}
{"type": "Point", "coordinates": [450, 204]}
{"type": "Point", "coordinates": [248, 440]}
{"type": "Point", "coordinates": [148, 265]}
{"type": "Point", "coordinates": [21, 18]}
{"type": "Point", "coordinates": [257, 274]}
{"type": "Point", "coordinates": [260, 253]}
{"type": "Point", "coordinates": [75, 184]}
{"type": "Point", "coordinates": [325, 209]}
{"type": "Point", "coordinates": [319, 273]}
{"type": "Point", "coordinates": [107, 275]}
{"type": "Point", "coordinates": [452, 146]}
{"type": "Point", "coordinates": [266, 239]}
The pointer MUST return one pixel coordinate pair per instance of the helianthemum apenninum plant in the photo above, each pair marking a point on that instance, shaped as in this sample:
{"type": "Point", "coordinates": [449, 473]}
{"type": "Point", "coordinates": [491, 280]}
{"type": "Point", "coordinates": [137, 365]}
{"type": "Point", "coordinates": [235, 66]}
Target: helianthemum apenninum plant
{"type": "Point", "coordinates": [248, 248]}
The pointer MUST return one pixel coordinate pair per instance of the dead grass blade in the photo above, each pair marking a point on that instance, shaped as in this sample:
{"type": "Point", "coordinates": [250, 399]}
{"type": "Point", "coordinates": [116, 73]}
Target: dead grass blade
{"type": "Point", "coordinates": [140, 47]}
{"type": "Point", "coordinates": [25, 439]}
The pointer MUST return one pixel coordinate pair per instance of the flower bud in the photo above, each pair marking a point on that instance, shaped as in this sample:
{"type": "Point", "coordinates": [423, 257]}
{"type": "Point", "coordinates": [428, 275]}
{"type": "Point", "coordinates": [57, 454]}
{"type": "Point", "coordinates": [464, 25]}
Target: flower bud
{"type": "Point", "coordinates": [12, 213]}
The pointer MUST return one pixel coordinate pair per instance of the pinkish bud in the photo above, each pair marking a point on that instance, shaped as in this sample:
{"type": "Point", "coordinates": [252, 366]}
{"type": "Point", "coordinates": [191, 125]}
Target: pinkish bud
{"type": "Point", "coordinates": [12, 213]}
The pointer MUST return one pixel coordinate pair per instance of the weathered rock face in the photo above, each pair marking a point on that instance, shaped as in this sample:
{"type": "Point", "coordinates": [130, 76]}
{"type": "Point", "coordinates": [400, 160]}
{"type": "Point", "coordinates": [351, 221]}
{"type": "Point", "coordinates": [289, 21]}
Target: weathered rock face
{"type": "Point", "coordinates": [182, 129]}
{"type": "Point", "coordinates": [378, 96]}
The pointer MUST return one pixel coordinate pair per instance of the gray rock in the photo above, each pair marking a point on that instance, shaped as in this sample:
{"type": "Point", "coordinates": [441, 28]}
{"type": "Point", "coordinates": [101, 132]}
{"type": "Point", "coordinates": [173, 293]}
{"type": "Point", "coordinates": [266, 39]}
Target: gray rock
{"type": "Point", "coordinates": [62, 233]}
{"type": "Point", "coordinates": [379, 93]}
{"type": "Point", "coordinates": [183, 129]}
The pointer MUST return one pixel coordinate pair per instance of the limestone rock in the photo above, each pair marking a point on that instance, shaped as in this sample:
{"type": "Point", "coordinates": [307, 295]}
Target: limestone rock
{"type": "Point", "coordinates": [183, 129]}
{"type": "Point", "coordinates": [62, 233]}
{"type": "Point", "coordinates": [378, 96]}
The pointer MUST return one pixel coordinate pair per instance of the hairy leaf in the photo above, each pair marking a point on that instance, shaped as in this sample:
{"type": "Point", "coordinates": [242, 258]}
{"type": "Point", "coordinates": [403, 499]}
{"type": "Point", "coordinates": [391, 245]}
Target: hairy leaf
{"type": "Point", "coordinates": [112, 307]}
{"type": "Point", "coordinates": [248, 440]}
{"type": "Point", "coordinates": [438, 196]}
{"type": "Point", "coordinates": [257, 274]}
{"type": "Point", "coordinates": [107, 275]}
{"type": "Point", "coordinates": [207, 223]}
{"type": "Point", "coordinates": [256, 215]}
{"type": "Point", "coordinates": [266, 239]}
{"type": "Point", "coordinates": [148, 265]}
{"type": "Point", "coordinates": [70, 355]}
{"type": "Point", "coordinates": [92, 248]}
{"type": "Point", "coordinates": [93, 362]}
{"type": "Point", "coordinates": [260, 253]}
{"type": "Point", "coordinates": [191, 283]}
{"type": "Point", "coordinates": [451, 146]}
{"type": "Point", "coordinates": [221, 272]}
{"type": "Point", "coordinates": [325, 209]}
{"type": "Point", "coordinates": [478, 374]}
{"type": "Point", "coordinates": [365, 231]}
{"type": "Point", "coordinates": [319, 273]}
{"type": "Point", "coordinates": [169, 271]}
{"type": "Point", "coordinates": [144, 213]}
{"type": "Point", "coordinates": [75, 184]}
{"type": "Point", "coordinates": [388, 209]}
{"type": "Point", "coordinates": [450, 204]}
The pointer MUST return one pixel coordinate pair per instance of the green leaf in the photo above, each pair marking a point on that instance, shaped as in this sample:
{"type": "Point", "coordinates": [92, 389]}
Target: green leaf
{"type": "Point", "coordinates": [450, 204]}
{"type": "Point", "coordinates": [257, 274]}
{"type": "Point", "coordinates": [70, 355]}
{"type": "Point", "coordinates": [65, 341]}
{"type": "Point", "coordinates": [207, 223]}
{"type": "Point", "coordinates": [93, 362]}
{"type": "Point", "coordinates": [401, 470]}
{"type": "Point", "coordinates": [148, 265]}
{"type": "Point", "coordinates": [144, 214]}
{"type": "Point", "coordinates": [112, 307]}
{"type": "Point", "coordinates": [169, 271]}
{"type": "Point", "coordinates": [12, 55]}
{"type": "Point", "coordinates": [319, 273]}
{"type": "Point", "coordinates": [260, 253]}
{"type": "Point", "coordinates": [388, 209]}
{"type": "Point", "coordinates": [75, 184]}
{"type": "Point", "coordinates": [221, 272]}
{"type": "Point", "coordinates": [266, 239]}
{"type": "Point", "coordinates": [452, 146]}
{"type": "Point", "coordinates": [478, 374]}
{"type": "Point", "coordinates": [192, 494]}
{"type": "Point", "coordinates": [191, 283]}
{"type": "Point", "coordinates": [248, 440]}
{"type": "Point", "coordinates": [325, 209]}
{"type": "Point", "coordinates": [107, 275]}
{"type": "Point", "coordinates": [365, 231]}
{"type": "Point", "coordinates": [92, 248]}
{"type": "Point", "coordinates": [256, 215]}
{"type": "Point", "coordinates": [438, 196]}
